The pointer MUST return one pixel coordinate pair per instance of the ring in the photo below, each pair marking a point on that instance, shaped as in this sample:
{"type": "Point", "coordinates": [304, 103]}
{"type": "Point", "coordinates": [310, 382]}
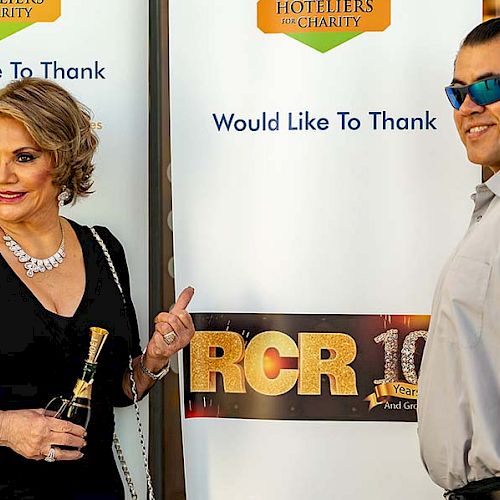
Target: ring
{"type": "Point", "coordinates": [51, 457]}
{"type": "Point", "coordinates": [169, 337]}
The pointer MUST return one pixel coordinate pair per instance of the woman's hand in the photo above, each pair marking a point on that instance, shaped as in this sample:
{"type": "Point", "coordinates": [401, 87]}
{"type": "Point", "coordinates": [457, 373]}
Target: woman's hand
{"type": "Point", "coordinates": [32, 434]}
{"type": "Point", "coordinates": [178, 321]}
{"type": "Point", "coordinates": [179, 325]}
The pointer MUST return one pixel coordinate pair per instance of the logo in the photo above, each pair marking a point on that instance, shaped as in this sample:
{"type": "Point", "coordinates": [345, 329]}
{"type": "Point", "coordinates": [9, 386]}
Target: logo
{"type": "Point", "coordinates": [304, 366]}
{"type": "Point", "coordinates": [15, 16]}
{"type": "Point", "coordinates": [323, 24]}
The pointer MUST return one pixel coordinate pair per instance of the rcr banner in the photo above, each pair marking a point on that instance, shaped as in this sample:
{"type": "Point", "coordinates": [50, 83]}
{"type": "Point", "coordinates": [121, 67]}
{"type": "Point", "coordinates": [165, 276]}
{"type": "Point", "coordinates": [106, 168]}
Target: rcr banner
{"type": "Point", "coordinates": [312, 370]}
{"type": "Point", "coordinates": [318, 187]}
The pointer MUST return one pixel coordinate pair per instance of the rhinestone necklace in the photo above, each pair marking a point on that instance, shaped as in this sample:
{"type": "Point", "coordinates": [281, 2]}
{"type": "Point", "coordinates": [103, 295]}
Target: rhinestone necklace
{"type": "Point", "coordinates": [32, 264]}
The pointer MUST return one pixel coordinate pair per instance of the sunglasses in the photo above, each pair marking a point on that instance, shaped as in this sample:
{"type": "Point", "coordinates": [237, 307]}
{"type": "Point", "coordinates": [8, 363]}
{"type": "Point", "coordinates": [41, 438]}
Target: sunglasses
{"type": "Point", "coordinates": [482, 92]}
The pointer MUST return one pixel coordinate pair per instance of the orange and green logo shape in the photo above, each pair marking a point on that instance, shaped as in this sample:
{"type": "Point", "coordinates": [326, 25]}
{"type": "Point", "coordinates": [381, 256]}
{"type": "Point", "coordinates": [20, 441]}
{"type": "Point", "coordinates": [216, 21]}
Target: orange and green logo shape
{"type": "Point", "coordinates": [323, 24]}
{"type": "Point", "coordinates": [16, 15]}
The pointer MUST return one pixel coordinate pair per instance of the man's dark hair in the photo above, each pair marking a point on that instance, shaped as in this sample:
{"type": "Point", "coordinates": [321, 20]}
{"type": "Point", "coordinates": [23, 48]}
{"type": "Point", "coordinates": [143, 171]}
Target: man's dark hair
{"type": "Point", "coordinates": [483, 33]}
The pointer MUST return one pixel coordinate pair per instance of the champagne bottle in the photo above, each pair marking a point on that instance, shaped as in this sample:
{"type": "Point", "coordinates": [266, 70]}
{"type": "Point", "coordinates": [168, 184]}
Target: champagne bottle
{"type": "Point", "coordinates": [77, 409]}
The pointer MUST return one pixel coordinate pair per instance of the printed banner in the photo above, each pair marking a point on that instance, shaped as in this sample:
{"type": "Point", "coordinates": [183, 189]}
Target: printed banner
{"type": "Point", "coordinates": [304, 367]}
{"type": "Point", "coordinates": [319, 186]}
{"type": "Point", "coordinates": [104, 65]}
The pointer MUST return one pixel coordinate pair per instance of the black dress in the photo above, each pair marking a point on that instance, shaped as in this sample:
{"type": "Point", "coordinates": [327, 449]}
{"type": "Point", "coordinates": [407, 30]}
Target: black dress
{"type": "Point", "coordinates": [42, 355]}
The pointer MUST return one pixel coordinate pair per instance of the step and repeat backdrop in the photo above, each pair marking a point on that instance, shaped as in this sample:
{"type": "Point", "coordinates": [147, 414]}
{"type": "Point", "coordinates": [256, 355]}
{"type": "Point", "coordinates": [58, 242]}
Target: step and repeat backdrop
{"type": "Point", "coordinates": [318, 187]}
{"type": "Point", "coordinates": [98, 51]}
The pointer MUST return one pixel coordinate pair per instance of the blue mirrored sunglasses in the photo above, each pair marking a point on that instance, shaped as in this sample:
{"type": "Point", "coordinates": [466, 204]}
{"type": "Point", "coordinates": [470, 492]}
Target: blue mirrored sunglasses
{"type": "Point", "coordinates": [482, 92]}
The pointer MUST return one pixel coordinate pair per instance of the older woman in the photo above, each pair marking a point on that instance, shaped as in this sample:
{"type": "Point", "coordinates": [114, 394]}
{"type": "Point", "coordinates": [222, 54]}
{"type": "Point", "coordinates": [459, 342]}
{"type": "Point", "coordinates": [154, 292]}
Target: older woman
{"type": "Point", "coordinates": [55, 283]}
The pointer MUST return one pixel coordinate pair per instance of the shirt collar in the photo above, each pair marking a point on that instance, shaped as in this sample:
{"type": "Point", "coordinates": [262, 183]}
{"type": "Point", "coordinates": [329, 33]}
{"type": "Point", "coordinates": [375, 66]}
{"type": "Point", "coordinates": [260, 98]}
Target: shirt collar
{"type": "Point", "coordinates": [493, 184]}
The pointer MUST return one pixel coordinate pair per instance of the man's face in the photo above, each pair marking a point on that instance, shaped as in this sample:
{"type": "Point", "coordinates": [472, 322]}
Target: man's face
{"type": "Point", "coordinates": [479, 126]}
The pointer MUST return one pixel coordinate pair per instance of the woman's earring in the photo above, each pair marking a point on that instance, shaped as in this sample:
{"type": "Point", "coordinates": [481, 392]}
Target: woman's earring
{"type": "Point", "coordinates": [63, 197]}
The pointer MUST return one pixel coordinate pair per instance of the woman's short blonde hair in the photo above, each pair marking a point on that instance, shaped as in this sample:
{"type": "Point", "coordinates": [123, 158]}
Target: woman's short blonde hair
{"type": "Point", "coordinates": [60, 125]}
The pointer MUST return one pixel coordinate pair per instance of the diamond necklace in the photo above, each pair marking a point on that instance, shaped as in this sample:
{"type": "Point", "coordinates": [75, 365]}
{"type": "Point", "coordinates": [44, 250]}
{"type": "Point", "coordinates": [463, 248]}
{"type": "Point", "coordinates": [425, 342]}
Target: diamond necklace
{"type": "Point", "coordinates": [32, 264]}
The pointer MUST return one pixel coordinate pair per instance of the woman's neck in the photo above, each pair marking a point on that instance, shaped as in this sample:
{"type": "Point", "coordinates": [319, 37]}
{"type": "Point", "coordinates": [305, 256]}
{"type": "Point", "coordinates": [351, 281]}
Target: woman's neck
{"type": "Point", "coordinates": [37, 238]}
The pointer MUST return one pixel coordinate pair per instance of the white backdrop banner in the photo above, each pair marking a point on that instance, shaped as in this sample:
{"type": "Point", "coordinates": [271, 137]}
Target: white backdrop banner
{"type": "Point", "coordinates": [98, 51]}
{"type": "Point", "coordinates": [318, 187]}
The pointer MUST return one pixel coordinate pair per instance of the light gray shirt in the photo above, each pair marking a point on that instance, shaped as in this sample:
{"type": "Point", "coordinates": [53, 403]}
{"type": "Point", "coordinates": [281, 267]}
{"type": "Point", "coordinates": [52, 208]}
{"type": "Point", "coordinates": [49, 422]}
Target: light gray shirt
{"type": "Point", "coordinates": [459, 384]}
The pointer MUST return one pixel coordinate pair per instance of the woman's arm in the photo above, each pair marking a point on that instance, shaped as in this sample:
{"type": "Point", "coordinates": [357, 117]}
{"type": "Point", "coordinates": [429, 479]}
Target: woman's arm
{"type": "Point", "coordinates": [158, 351]}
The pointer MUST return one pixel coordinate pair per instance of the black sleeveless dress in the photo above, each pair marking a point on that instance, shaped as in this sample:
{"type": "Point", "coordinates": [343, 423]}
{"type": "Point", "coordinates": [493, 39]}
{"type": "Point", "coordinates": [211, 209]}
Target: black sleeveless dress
{"type": "Point", "coordinates": [42, 355]}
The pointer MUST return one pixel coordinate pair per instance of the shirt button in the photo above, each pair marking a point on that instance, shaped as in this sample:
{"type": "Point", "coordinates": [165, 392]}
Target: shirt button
{"type": "Point", "coordinates": [478, 218]}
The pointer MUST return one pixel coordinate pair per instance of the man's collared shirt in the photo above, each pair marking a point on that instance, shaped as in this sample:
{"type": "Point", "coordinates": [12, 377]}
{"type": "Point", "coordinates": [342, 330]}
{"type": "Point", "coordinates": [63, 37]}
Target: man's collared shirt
{"type": "Point", "coordinates": [459, 384]}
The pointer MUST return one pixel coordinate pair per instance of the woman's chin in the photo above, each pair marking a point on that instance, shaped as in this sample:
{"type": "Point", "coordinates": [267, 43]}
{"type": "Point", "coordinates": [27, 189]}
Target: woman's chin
{"type": "Point", "coordinates": [11, 214]}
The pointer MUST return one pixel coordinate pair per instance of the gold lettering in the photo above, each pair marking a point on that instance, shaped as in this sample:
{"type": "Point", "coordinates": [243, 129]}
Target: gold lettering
{"type": "Point", "coordinates": [342, 349]}
{"type": "Point", "coordinates": [205, 365]}
{"type": "Point", "coordinates": [255, 363]}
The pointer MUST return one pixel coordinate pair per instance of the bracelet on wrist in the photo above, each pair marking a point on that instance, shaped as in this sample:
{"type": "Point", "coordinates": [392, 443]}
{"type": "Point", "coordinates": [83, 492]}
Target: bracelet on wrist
{"type": "Point", "coordinates": [152, 375]}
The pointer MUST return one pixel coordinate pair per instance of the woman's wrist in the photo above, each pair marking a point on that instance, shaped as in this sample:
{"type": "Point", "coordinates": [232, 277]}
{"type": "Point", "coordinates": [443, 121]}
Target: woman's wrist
{"type": "Point", "coordinates": [154, 369]}
{"type": "Point", "coordinates": [4, 415]}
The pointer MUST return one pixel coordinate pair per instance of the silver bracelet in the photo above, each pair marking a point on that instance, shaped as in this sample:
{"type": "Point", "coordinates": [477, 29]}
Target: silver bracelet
{"type": "Point", "coordinates": [152, 375]}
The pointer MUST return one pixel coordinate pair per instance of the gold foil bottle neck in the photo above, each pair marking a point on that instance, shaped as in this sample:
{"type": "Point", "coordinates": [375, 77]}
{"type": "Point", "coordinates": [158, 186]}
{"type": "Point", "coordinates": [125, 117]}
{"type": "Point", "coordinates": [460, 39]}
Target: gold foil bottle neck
{"type": "Point", "coordinates": [98, 337]}
{"type": "Point", "coordinates": [83, 389]}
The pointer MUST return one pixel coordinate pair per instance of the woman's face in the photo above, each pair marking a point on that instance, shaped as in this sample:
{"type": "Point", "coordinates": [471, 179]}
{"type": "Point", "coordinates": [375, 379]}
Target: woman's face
{"type": "Point", "coordinates": [27, 194]}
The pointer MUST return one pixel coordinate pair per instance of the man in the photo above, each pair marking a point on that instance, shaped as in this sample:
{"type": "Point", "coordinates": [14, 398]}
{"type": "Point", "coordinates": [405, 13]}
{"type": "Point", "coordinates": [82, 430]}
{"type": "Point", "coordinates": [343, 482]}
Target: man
{"type": "Point", "coordinates": [459, 400]}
